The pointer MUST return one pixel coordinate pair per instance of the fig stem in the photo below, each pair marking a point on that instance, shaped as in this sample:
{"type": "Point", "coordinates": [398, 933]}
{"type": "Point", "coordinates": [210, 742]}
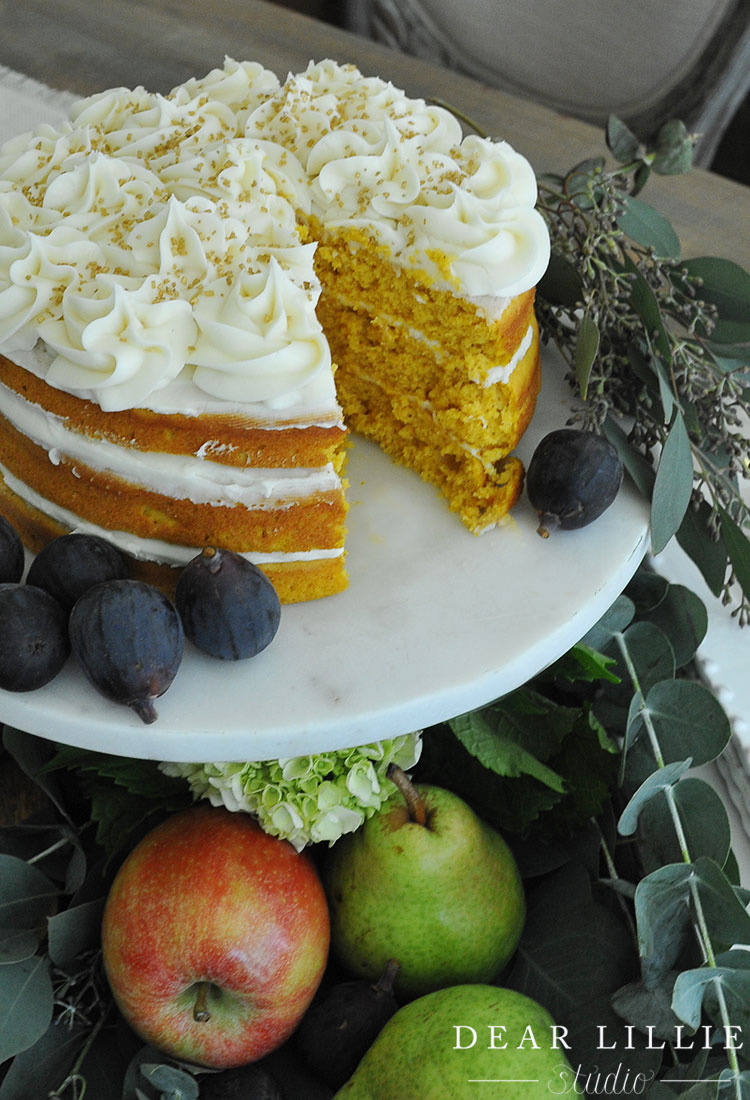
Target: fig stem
{"type": "Point", "coordinates": [384, 984]}
{"type": "Point", "coordinates": [145, 710]}
{"type": "Point", "coordinates": [414, 803]}
{"type": "Point", "coordinates": [200, 1009]}
{"type": "Point", "coordinates": [211, 558]}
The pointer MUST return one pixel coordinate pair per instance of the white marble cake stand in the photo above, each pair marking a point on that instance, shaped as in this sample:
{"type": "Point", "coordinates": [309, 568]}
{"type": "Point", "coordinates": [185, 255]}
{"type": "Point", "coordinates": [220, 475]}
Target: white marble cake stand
{"type": "Point", "coordinates": [436, 621]}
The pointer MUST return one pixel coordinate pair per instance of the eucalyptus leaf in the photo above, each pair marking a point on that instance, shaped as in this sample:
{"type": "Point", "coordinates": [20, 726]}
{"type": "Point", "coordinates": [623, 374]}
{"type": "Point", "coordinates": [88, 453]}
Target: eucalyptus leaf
{"type": "Point", "coordinates": [646, 305]}
{"type": "Point", "coordinates": [640, 470]}
{"type": "Point", "coordinates": [649, 228]}
{"type": "Point", "coordinates": [561, 283]}
{"type": "Point", "coordinates": [647, 590]}
{"type": "Point", "coordinates": [587, 347]}
{"type": "Point", "coordinates": [725, 285]}
{"type": "Point", "coordinates": [583, 953]}
{"type": "Point", "coordinates": [644, 658]}
{"type": "Point", "coordinates": [637, 1002]}
{"type": "Point", "coordinates": [174, 1083]}
{"type": "Point", "coordinates": [26, 895]}
{"type": "Point", "coordinates": [687, 720]}
{"type": "Point", "coordinates": [133, 1080]}
{"type": "Point", "coordinates": [727, 918]}
{"type": "Point", "coordinates": [618, 616]}
{"type": "Point", "coordinates": [683, 618]}
{"type": "Point", "coordinates": [692, 986]}
{"type": "Point", "coordinates": [665, 909]}
{"type": "Point", "coordinates": [17, 944]}
{"type": "Point", "coordinates": [703, 819]}
{"type": "Point", "coordinates": [673, 486]}
{"type": "Point", "coordinates": [666, 391]}
{"type": "Point", "coordinates": [708, 552]}
{"type": "Point", "coordinates": [656, 783]}
{"type": "Point", "coordinates": [26, 998]}
{"type": "Point", "coordinates": [738, 548]}
{"type": "Point", "coordinates": [663, 919]}
{"type": "Point", "coordinates": [74, 930]}
{"type": "Point", "coordinates": [37, 1071]}
{"type": "Point", "coordinates": [621, 141]}
{"type": "Point", "coordinates": [732, 359]}
{"type": "Point", "coordinates": [734, 1086]}
{"type": "Point", "coordinates": [673, 150]}
{"type": "Point", "coordinates": [640, 179]}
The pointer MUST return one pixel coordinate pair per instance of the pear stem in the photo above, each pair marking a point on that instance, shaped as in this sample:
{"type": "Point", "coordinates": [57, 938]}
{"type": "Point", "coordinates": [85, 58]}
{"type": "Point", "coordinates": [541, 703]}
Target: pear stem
{"type": "Point", "coordinates": [200, 1009]}
{"type": "Point", "coordinates": [414, 803]}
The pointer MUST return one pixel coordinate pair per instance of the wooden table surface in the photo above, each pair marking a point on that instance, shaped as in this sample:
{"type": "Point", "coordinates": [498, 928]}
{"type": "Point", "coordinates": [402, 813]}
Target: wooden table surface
{"type": "Point", "coordinates": [87, 46]}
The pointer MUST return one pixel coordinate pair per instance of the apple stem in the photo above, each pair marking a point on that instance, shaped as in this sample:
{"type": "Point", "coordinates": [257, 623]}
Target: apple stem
{"type": "Point", "coordinates": [200, 1009]}
{"type": "Point", "coordinates": [414, 803]}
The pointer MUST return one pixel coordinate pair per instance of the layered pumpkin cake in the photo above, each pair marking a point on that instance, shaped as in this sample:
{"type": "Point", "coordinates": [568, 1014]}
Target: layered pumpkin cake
{"type": "Point", "coordinates": [202, 293]}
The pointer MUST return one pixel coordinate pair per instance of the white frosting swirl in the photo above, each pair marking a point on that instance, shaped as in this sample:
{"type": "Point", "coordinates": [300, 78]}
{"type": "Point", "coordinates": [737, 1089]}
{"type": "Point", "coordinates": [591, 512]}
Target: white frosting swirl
{"type": "Point", "coordinates": [258, 337]}
{"type": "Point", "coordinates": [119, 342]}
{"type": "Point", "coordinates": [241, 86]}
{"type": "Point", "coordinates": [152, 238]}
{"type": "Point", "coordinates": [507, 246]}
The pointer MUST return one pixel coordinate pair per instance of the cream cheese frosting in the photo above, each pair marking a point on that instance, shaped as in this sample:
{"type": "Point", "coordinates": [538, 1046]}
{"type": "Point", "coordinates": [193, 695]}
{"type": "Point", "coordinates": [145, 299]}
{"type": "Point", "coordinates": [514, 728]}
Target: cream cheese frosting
{"type": "Point", "coordinates": [153, 242]}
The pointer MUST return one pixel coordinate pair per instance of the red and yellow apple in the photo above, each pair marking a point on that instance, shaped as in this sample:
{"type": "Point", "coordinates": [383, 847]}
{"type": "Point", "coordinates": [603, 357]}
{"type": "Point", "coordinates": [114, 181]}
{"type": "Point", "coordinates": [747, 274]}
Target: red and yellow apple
{"type": "Point", "coordinates": [215, 937]}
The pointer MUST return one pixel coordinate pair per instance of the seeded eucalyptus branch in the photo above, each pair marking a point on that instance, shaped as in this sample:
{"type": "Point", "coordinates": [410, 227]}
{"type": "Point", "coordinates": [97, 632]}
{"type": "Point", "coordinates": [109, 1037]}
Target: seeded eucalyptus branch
{"type": "Point", "coordinates": [658, 350]}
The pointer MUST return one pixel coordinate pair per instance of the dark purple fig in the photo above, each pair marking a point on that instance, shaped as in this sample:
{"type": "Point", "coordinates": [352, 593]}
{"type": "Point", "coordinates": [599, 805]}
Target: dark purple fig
{"type": "Point", "coordinates": [128, 639]}
{"type": "Point", "coordinates": [33, 637]}
{"type": "Point", "coordinates": [229, 607]}
{"type": "Point", "coordinates": [251, 1082]}
{"type": "Point", "coordinates": [11, 553]}
{"type": "Point", "coordinates": [341, 1025]}
{"type": "Point", "coordinates": [70, 564]}
{"type": "Point", "coordinates": [572, 478]}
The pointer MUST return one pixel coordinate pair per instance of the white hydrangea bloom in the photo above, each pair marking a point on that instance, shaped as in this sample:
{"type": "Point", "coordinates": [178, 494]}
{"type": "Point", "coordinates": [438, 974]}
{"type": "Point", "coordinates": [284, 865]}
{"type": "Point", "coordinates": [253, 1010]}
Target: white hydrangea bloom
{"type": "Point", "coordinates": [305, 799]}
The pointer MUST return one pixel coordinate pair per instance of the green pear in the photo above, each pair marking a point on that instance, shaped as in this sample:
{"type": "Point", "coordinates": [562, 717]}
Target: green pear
{"type": "Point", "coordinates": [427, 883]}
{"type": "Point", "coordinates": [441, 1046]}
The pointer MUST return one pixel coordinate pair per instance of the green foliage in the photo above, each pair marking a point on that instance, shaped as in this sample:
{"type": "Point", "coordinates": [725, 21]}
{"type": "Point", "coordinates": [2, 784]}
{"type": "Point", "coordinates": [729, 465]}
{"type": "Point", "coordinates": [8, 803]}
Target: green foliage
{"type": "Point", "coordinates": [639, 941]}
{"type": "Point", "coordinates": [126, 796]}
{"type": "Point", "coordinates": [657, 348]}
{"type": "Point", "coordinates": [530, 759]}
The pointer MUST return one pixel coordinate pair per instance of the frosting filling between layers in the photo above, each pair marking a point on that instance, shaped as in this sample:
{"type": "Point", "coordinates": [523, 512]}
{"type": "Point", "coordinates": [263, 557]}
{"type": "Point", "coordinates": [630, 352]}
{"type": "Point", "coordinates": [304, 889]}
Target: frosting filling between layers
{"type": "Point", "coordinates": [192, 478]}
{"type": "Point", "coordinates": [142, 549]}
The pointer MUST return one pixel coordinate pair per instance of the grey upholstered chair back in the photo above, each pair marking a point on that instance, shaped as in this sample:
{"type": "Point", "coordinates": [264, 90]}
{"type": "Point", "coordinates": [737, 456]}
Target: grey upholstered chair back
{"type": "Point", "coordinates": [645, 60]}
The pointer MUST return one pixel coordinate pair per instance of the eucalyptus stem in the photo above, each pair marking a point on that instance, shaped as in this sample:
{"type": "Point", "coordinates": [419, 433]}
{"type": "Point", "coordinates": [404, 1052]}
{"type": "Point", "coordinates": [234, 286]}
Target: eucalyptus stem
{"type": "Point", "coordinates": [704, 935]}
{"type": "Point", "coordinates": [48, 851]}
{"type": "Point", "coordinates": [74, 1077]}
{"type": "Point", "coordinates": [678, 827]}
